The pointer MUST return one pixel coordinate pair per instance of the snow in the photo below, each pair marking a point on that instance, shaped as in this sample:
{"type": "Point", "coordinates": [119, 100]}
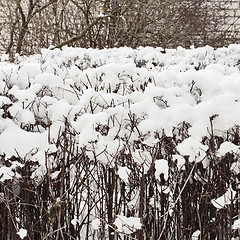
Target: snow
{"type": "Point", "coordinates": [225, 199]}
{"type": "Point", "coordinates": [193, 149]}
{"type": "Point", "coordinates": [161, 166]}
{"type": "Point", "coordinates": [25, 142]}
{"type": "Point", "coordinates": [127, 225]}
{"type": "Point", "coordinates": [74, 222]}
{"type": "Point", "coordinates": [55, 174]}
{"type": "Point", "coordinates": [142, 158]}
{"type": "Point", "coordinates": [22, 233]}
{"type": "Point", "coordinates": [196, 235]}
{"type": "Point", "coordinates": [96, 223]}
{"type": "Point", "coordinates": [180, 160]}
{"type": "Point", "coordinates": [124, 173]}
{"type": "Point", "coordinates": [59, 84]}
{"type": "Point", "coordinates": [115, 101]}
{"type": "Point", "coordinates": [227, 147]}
{"type": "Point", "coordinates": [236, 224]}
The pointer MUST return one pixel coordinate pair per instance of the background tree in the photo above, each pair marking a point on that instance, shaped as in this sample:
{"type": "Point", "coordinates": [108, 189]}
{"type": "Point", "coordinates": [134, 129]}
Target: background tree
{"type": "Point", "coordinates": [29, 25]}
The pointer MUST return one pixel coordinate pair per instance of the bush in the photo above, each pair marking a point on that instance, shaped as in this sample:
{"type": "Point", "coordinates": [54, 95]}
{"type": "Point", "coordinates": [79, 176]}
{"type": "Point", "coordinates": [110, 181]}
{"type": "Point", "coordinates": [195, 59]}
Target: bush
{"type": "Point", "coordinates": [120, 144]}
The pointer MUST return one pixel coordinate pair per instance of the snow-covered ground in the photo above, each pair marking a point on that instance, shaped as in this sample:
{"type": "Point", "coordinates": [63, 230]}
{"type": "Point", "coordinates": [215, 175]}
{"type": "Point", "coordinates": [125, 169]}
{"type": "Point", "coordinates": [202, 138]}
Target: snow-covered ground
{"type": "Point", "coordinates": [114, 96]}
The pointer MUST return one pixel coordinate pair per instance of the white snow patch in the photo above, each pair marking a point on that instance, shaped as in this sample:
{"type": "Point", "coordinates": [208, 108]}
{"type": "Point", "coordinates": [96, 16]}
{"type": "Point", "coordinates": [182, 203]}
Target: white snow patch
{"type": "Point", "coordinates": [22, 233]}
{"type": "Point", "coordinates": [192, 148]}
{"type": "Point", "coordinates": [143, 158]}
{"type": "Point", "coordinates": [55, 174]}
{"type": "Point", "coordinates": [161, 166]}
{"type": "Point", "coordinates": [74, 222]}
{"type": "Point", "coordinates": [196, 235]}
{"type": "Point", "coordinates": [236, 224]}
{"type": "Point", "coordinates": [124, 173]}
{"type": "Point", "coordinates": [180, 160]}
{"type": "Point", "coordinates": [96, 223]}
{"type": "Point", "coordinates": [127, 225]}
{"type": "Point", "coordinates": [225, 199]}
{"type": "Point", "coordinates": [227, 147]}
{"type": "Point", "coordinates": [15, 141]}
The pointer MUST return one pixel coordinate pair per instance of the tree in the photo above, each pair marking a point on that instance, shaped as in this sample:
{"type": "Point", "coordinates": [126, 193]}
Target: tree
{"type": "Point", "coordinates": [24, 12]}
{"type": "Point", "coordinates": [31, 25]}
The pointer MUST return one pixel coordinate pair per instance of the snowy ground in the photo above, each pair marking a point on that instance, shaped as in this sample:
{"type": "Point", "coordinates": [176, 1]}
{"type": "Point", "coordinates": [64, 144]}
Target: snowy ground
{"type": "Point", "coordinates": [112, 95]}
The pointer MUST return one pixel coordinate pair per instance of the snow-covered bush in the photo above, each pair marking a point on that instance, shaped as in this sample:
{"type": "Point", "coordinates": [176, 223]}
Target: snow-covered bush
{"type": "Point", "coordinates": [138, 144]}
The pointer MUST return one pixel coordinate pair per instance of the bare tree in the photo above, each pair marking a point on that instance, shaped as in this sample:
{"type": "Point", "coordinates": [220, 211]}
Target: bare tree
{"type": "Point", "coordinates": [29, 26]}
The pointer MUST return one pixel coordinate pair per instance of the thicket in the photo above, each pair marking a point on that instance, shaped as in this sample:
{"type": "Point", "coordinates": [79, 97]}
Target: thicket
{"type": "Point", "coordinates": [172, 209]}
{"type": "Point", "coordinates": [81, 184]}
